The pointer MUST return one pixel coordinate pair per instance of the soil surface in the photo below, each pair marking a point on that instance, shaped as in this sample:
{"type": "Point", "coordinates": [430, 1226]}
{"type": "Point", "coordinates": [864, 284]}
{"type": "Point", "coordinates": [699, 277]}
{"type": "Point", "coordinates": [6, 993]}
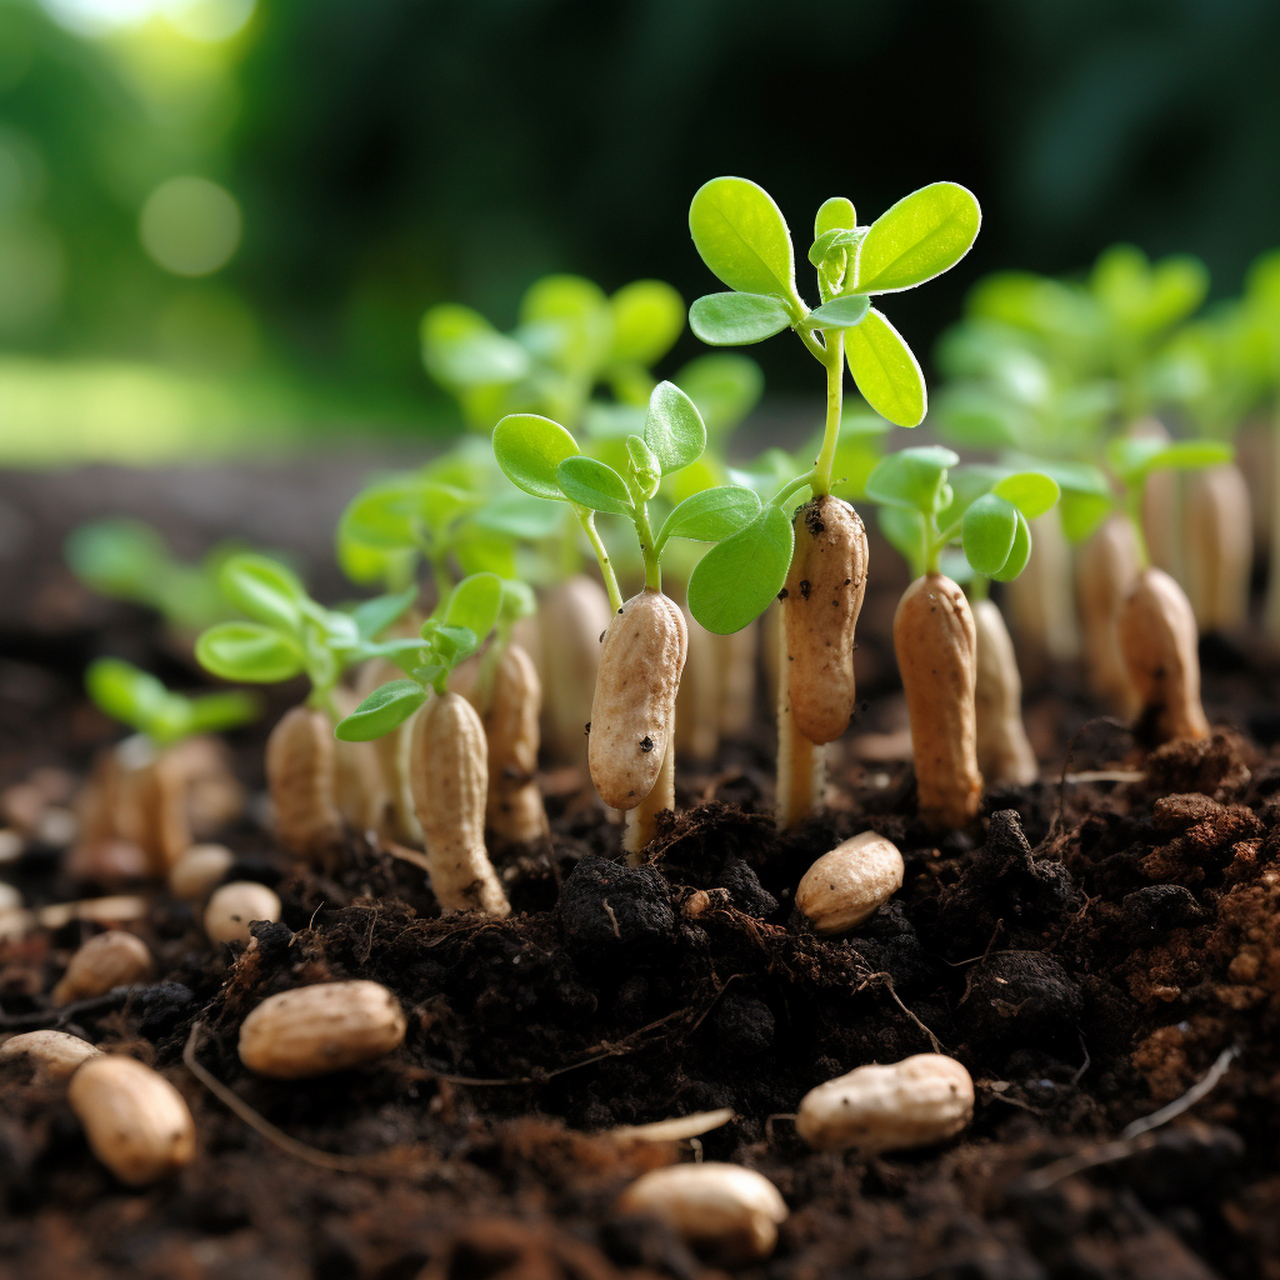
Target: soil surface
{"type": "Point", "coordinates": [1090, 951]}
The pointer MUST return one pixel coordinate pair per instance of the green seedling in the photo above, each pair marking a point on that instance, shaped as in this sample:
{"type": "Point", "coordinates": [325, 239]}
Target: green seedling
{"type": "Point", "coordinates": [928, 508]}
{"type": "Point", "coordinates": [164, 718]}
{"type": "Point", "coordinates": [288, 634]}
{"type": "Point", "coordinates": [128, 560]}
{"type": "Point", "coordinates": [543, 459]}
{"type": "Point", "coordinates": [743, 238]}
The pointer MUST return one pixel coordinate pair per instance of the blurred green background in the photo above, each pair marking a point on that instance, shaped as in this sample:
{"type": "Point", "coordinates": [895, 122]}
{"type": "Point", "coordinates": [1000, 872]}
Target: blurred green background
{"type": "Point", "coordinates": [221, 221]}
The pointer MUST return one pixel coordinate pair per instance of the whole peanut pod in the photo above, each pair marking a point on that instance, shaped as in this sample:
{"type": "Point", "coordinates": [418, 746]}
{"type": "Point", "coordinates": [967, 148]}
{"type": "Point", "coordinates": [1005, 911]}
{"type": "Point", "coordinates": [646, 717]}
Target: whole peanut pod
{"type": "Point", "coordinates": [1218, 528]}
{"type": "Point", "coordinates": [150, 804]}
{"type": "Point", "coordinates": [200, 871]}
{"type": "Point", "coordinates": [1106, 567]}
{"type": "Point", "coordinates": [935, 643]}
{"type": "Point", "coordinates": [1040, 603]}
{"type": "Point", "coordinates": [821, 602]}
{"type": "Point", "coordinates": [571, 620]}
{"type": "Point", "coordinates": [358, 790]}
{"type": "Point", "coordinates": [449, 774]}
{"type": "Point", "coordinates": [398, 819]}
{"type": "Point", "coordinates": [739, 657]}
{"type": "Point", "coordinates": [913, 1103]}
{"type": "Point", "coordinates": [1004, 753]}
{"type": "Point", "coordinates": [514, 810]}
{"type": "Point", "coordinates": [54, 1055]}
{"type": "Point", "coordinates": [633, 710]}
{"type": "Point", "coordinates": [109, 960]}
{"type": "Point", "coordinates": [850, 883]}
{"type": "Point", "coordinates": [1158, 639]}
{"type": "Point", "coordinates": [136, 1122]}
{"type": "Point", "coordinates": [312, 1031]}
{"type": "Point", "coordinates": [234, 907]}
{"type": "Point", "coordinates": [300, 777]}
{"type": "Point", "coordinates": [722, 1209]}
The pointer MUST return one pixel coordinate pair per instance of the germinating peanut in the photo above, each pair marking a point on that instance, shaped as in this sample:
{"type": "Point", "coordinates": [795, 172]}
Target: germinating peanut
{"type": "Point", "coordinates": [514, 810]}
{"type": "Point", "coordinates": [149, 796]}
{"type": "Point", "coordinates": [739, 657]}
{"type": "Point", "coordinates": [641, 662]}
{"type": "Point", "coordinates": [199, 871]}
{"type": "Point", "coordinates": [935, 642]}
{"type": "Point", "coordinates": [398, 821]}
{"type": "Point", "coordinates": [300, 777]}
{"type": "Point", "coordinates": [698, 703]}
{"type": "Point", "coordinates": [913, 1103]}
{"type": "Point", "coordinates": [109, 960]}
{"type": "Point", "coordinates": [358, 791]}
{"type": "Point", "coordinates": [1004, 753]}
{"type": "Point", "coordinates": [850, 883]}
{"type": "Point", "coordinates": [449, 773]}
{"type": "Point", "coordinates": [825, 586]}
{"type": "Point", "coordinates": [1218, 547]}
{"type": "Point", "coordinates": [235, 906]}
{"type": "Point", "coordinates": [571, 620]}
{"type": "Point", "coordinates": [1040, 601]}
{"type": "Point", "coordinates": [723, 1209]}
{"type": "Point", "coordinates": [1159, 642]}
{"type": "Point", "coordinates": [316, 1030]}
{"type": "Point", "coordinates": [136, 1122]}
{"type": "Point", "coordinates": [53, 1054]}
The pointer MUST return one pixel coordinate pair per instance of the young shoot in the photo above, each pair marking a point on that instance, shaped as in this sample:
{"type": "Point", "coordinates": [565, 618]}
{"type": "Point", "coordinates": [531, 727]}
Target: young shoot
{"type": "Point", "coordinates": [820, 553]}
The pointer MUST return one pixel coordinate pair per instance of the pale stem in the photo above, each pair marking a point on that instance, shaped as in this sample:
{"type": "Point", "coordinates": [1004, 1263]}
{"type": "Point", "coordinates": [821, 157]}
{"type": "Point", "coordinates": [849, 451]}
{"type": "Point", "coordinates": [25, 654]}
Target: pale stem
{"type": "Point", "coordinates": [642, 821]}
{"type": "Point", "coordinates": [833, 359]}
{"type": "Point", "coordinates": [588, 521]}
{"type": "Point", "coordinates": [1271, 617]}
{"type": "Point", "coordinates": [802, 765]}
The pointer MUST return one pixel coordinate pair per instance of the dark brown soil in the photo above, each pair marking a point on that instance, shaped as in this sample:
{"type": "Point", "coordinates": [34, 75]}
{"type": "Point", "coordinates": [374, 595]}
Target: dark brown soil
{"type": "Point", "coordinates": [1089, 952]}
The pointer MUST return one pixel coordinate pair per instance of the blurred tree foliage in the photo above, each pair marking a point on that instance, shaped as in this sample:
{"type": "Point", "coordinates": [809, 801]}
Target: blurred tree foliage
{"type": "Point", "coordinates": [395, 153]}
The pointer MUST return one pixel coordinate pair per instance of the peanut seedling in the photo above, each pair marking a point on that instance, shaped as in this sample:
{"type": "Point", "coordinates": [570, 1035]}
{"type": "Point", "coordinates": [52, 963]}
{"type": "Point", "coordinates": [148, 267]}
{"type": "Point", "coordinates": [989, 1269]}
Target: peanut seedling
{"type": "Point", "coordinates": [986, 511]}
{"type": "Point", "coordinates": [742, 237]}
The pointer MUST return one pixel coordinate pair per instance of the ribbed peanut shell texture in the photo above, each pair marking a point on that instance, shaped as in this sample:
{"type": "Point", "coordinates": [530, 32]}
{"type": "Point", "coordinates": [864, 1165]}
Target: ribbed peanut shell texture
{"type": "Point", "coordinates": [1004, 752]}
{"type": "Point", "coordinates": [1159, 641]}
{"type": "Point", "coordinates": [641, 662]}
{"type": "Point", "coordinates": [449, 773]}
{"type": "Point", "coordinates": [136, 1122]}
{"type": "Point", "coordinates": [723, 1209]}
{"type": "Point", "coordinates": [109, 960]}
{"type": "Point", "coordinates": [312, 1031]}
{"type": "Point", "coordinates": [300, 777]}
{"type": "Point", "coordinates": [825, 587]}
{"type": "Point", "coordinates": [514, 809]}
{"type": "Point", "coordinates": [935, 643]}
{"type": "Point", "coordinates": [850, 883]}
{"type": "Point", "coordinates": [913, 1103]}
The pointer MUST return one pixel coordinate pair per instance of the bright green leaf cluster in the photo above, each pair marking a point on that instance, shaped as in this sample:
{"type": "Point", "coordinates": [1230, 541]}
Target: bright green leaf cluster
{"type": "Point", "coordinates": [139, 700]}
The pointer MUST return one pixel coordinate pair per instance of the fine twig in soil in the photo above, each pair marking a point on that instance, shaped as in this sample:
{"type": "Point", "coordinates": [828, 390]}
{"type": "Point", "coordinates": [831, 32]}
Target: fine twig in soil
{"type": "Point", "coordinates": [1059, 812]}
{"type": "Point", "coordinates": [885, 980]}
{"type": "Point", "coordinates": [263, 1126]}
{"type": "Point", "coordinates": [1133, 1139]}
{"type": "Point", "coordinates": [65, 1013]}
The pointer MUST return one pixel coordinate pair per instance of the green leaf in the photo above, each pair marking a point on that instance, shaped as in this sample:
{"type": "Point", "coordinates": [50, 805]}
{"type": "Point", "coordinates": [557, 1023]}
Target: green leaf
{"type": "Point", "coordinates": [1020, 554]}
{"type": "Point", "coordinates": [987, 533]}
{"type": "Point", "coordinates": [724, 385]}
{"type": "Point", "coordinates": [1032, 492]}
{"type": "Point", "coordinates": [518, 600]}
{"type": "Point", "coordinates": [386, 708]}
{"type": "Point", "coordinates": [646, 470]}
{"type": "Point", "coordinates": [885, 371]}
{"type": "Point", "coordinates": [566, 319]}
{"type": "Point", "coordinates": [711, 516]}
{"type": "Point", "coordinates": [648, 316]}
{"type": "Point", "coordinates": [374, 616]}
{"type": "Point", "coordinates": [517, 515]}
{"type": "Point", "coordinates": [738, 319]}
{"type": "Point", "coordinates": [454, 644]}
{"type": "Point", "coordinates": [124, 692]}
{"type": "Point", "coordinates": [1081, 514]}
{"type": "Point", "coordinates": [480, 550]}
{"type": "Point", "coordinates": [475, 604]}
{"type": "Point", "coordinates": [249, 652]}
{"type": "Point", "coordinates": [382, 515]}
{"type": "Point", "coordinates": [923, 235]}
{"type": "Point", "coordinates": [835, 214]}
{"type": "Point", "coordinates": [975, 417]}
{"type": "Point", "coordinates": [912, 478]}
{"type": "Point", "coordinates": [734, 582]}
{"type": "Point", "coordinates": [117, 557]}
{"type": "Point", "coordinates": [840, 313]}
{"type": "Point", "coordinates": [594, 484]}
{"type": "Point", "coordinates": [1145, 299]}
{"type": "Point", "coordinates": [903, 529]}
{"type": "Point", "coordinates": [742, 236]}
{"type": "Point", "coordinates": [673, 428]}
{"type": "Point", "coordinates": [460, 348]}
{"type": "Point", "coordinates": [216, 712]}
{"type": "Point", "coordinates": [1134, 458]}
{"type": "Point", "coordinates": [529, 448]}
{"type": "Point", "coordinates": [264, 590]}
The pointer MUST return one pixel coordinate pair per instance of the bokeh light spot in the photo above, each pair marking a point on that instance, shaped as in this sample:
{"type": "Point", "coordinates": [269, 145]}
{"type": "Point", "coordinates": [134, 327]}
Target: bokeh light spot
{"type": "Point", "coordinates": [190, 226]}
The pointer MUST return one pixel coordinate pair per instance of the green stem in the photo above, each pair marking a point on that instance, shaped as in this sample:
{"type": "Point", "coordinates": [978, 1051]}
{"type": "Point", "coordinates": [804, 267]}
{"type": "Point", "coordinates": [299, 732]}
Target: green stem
{"type": "Point", "coordinates": [587, 520]}
{"type": "Point", "coordinates": [792, 486]}
{"type": "Point", "coordinates": [652, 565]}
{"type": "Point", "coordinates": [1133, 509]}
{"type": "Point", "coordinates": [833, 358]}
